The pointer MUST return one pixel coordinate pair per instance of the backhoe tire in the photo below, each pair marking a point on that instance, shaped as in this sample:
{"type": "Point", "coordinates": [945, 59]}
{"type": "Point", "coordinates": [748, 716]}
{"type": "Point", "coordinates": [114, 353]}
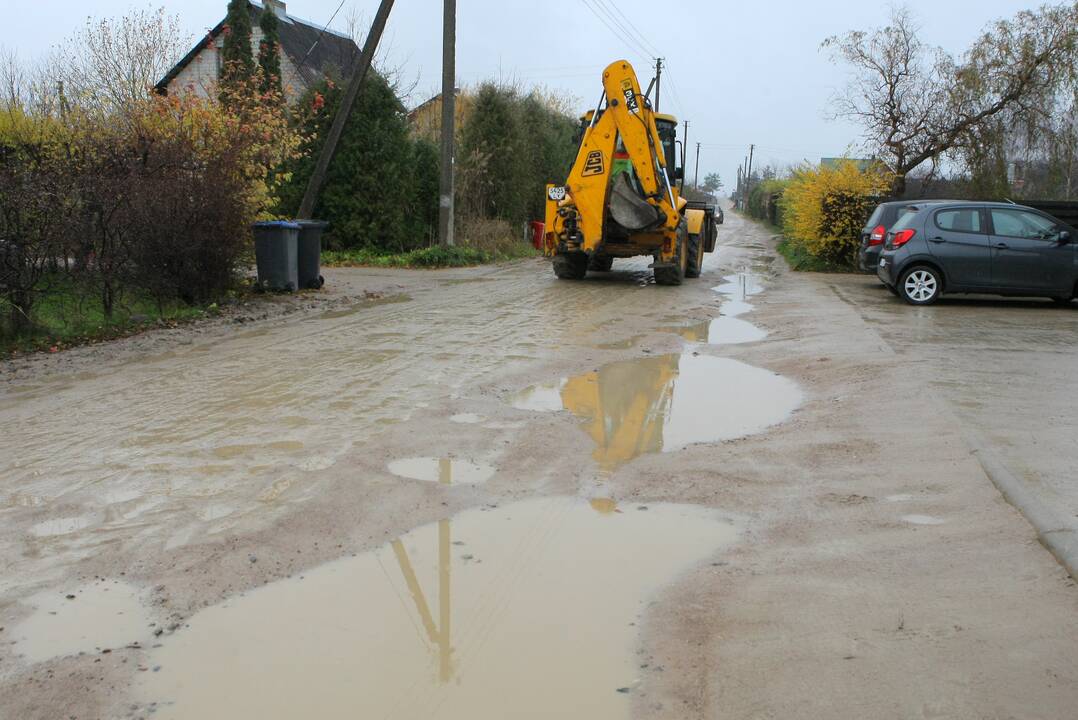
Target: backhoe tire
{"type": "Point", "coordinates": [696, 257]}
{"type": "Point", "coordinates": [676, 274]}
{"type": "Point", "coordinates": [600, 263]}
{"type": "Point", "coordinates": [571, 266]}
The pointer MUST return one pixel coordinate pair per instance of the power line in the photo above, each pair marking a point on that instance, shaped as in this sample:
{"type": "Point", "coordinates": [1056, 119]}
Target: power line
{"type": "Point", "coordinates": [621, 29]}
{"type": "Point", "coordinates": [320, 35]}
{"type": "Point", "coordinates": [639, 35]}
{"type": "Point", "coordinates": [674, 89]}
{"type": "Point", "coordinates": [627, 41]}
{"type": "Point", "coordinates": [623, 23]}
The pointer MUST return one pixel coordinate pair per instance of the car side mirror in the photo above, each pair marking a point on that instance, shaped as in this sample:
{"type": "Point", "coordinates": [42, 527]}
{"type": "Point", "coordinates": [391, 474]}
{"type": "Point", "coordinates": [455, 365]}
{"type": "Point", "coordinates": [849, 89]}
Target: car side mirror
{"type": "Point", "coordinates": [1064, 237]}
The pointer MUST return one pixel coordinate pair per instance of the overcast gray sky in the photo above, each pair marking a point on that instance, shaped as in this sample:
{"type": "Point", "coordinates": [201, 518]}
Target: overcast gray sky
{"type": "Point", "coordinates": [744, 72]}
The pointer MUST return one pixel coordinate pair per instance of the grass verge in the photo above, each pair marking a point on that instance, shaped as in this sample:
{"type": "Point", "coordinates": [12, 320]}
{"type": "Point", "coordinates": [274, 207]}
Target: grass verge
{"type": "Point", "coordinates": [802, 260]}
{"type": "Point", "coordinates": [65, 317]}
{"type": "Point", "coordinates": [432, 257]}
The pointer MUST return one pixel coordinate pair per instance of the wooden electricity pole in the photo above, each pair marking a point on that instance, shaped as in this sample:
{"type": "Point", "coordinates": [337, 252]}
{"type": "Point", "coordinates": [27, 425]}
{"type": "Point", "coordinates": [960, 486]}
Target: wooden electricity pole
{"type": "Point", "coordinates": [748, 176]}
{"type": "Point", "coordinates": [658, 80]}
{"type": "Point", "coordinates": [696, 176]}
{"type": "Point", "coordinates": [318, 177]}
{"type": "Point", "coordinates": [684, 149]}
{"type": "Point", "coordinates": [449, 97]}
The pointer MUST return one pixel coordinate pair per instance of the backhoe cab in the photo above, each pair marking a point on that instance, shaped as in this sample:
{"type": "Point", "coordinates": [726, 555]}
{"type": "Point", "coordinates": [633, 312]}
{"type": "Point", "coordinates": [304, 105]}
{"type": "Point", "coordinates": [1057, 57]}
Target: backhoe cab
{"type": "Point", "coordinates": [622, 198]}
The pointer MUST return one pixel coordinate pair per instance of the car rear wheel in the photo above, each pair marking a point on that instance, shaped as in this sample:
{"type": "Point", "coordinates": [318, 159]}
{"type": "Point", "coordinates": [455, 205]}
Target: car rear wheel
{"type": "Point", "coordinates": [920, 285]}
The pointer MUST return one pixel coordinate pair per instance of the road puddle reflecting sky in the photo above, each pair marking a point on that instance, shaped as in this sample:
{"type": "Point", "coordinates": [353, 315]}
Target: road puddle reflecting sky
{"type": "Point", "coordinates": [101, 615]}
{"type": "Point", "coordinates": [447, 471]}
{"type": "Point", "coordinates": [522, 611]}
{"type": "Point", "coordinates": [665, 402]}
{"type": "Point", "coordinates": [720, 331]}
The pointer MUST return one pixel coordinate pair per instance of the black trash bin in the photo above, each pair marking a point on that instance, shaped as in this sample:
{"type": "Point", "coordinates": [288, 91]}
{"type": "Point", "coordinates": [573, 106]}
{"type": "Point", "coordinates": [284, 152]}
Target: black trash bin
{"type": "Point", "coordinates": [309, 253]}
{"type": "Point", "coordinates": [275, 255]}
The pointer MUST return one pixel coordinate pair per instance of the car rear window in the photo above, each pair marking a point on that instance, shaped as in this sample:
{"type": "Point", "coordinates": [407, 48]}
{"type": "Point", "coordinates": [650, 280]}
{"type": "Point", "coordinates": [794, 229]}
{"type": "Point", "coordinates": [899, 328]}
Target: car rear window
{"type": "Point", "coordinates": [876, 217]}
{"type": "Point", "coordinates": [905, 220]}
{"type": "Point", "coordinates": [959, 220]}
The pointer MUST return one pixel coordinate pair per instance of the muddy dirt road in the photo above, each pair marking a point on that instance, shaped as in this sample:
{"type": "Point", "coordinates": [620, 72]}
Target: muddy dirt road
{"type": "Point", "coordinates": [490, 494]}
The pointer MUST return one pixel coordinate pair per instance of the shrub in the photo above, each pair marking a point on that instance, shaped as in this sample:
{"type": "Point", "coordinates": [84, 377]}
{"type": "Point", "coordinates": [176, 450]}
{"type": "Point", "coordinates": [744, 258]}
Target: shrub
{"type": "Point", "coordinates": [765, 200]}
{"type": "Point", "coordinates": [37, 202]}
{"type": "Point", "coordinates": [378, 190]}
{"type": "Point", "coordinates": [511, 146]}
{"type": "Point", "coordinates": [154, 199]}
{"type": "Point", "coordinates": [825, 207]}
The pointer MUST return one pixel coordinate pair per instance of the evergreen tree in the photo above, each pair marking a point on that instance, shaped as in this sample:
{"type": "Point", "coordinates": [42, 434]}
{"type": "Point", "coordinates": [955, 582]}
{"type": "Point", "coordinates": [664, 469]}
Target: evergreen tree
{"type": "Point", "coordinates": [269, 55]}
{"type": "Point", "coordinates": [370, 196]}
{"type": "Point", "coordinates": [425, 187]}
{"type": "Point", "coordinates": [237, 63]}
{"type": "Point", "coordinates": [510, 147]}
{"type": "Point", "coordinates": [491, 172]}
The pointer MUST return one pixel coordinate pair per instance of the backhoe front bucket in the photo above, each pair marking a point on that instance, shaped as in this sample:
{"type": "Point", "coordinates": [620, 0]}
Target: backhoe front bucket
{"type": "Point", "coordinates": [630, 210]}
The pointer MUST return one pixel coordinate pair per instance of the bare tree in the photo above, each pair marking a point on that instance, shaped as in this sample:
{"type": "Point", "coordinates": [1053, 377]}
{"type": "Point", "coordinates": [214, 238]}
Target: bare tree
{"type": "Point", "coordinates": [917, 103]}
{"type": "Point", "coordinates": [112, 62]}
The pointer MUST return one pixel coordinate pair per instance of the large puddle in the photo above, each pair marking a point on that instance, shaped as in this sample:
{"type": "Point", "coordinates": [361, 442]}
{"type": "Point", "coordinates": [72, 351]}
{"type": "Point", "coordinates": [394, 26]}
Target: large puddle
{"type": "Point", "coordinates": [521, 611]}
{"type": "Point", "coordinates": [666, 402]}
{"type": "Point", "coordinates": [721, 331]}
{"type": "Point", "coordinates": [99, 616]}
{"type": "Point", "coordinates": [447, 471]}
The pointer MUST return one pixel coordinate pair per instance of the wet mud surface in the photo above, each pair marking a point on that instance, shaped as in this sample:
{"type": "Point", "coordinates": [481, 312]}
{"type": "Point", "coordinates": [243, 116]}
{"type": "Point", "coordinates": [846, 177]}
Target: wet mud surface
{"type": "Point", "coordinates": [486, 493]}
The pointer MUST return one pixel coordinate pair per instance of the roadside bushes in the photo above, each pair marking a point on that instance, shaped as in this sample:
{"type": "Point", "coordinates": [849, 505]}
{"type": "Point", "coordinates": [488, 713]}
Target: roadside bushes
{"type": "Point", "coordinates": [511, 146]}
{"type": "Point", "coordinates": [381, 191]}
{"type": "Point", "coordinates": [36, 205]}
{"type": "Point", "coordinates": [824, 208]}
{"type": "Point", "coordinates": [765, 201]}
{"type": "Point", "coordinates": [151, 201]}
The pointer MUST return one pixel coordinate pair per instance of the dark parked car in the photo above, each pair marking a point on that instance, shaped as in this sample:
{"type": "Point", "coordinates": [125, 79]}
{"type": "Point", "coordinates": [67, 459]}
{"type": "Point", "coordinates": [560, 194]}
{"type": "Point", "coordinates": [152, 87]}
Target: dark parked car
{"type": "Point", "coordinates": [875, 230]}
{"type": "Point", "coordinates": [979, 247]}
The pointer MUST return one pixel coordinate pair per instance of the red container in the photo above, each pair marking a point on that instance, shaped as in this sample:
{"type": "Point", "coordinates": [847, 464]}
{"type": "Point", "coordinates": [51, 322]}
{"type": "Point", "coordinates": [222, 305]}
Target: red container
{"type": "Point", "coordinates": [538, 230]}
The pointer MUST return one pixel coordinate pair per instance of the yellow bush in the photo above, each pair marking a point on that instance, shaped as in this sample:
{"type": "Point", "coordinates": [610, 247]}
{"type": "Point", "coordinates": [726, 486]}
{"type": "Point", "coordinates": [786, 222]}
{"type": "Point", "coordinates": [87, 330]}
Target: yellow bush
{"type": "Point", "coordinates": [824, 207]}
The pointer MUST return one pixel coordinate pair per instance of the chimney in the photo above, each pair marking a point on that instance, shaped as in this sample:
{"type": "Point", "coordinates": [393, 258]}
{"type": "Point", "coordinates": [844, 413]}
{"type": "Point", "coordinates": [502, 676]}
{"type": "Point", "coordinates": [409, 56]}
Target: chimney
{"type": "Point", "coordinates": [276, 6]}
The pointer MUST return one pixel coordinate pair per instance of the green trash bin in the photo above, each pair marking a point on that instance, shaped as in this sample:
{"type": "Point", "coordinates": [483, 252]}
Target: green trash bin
{"type": "Point", "coordinates": [276, 244]}
{"type": "Point", "coordinates": [309, 253]}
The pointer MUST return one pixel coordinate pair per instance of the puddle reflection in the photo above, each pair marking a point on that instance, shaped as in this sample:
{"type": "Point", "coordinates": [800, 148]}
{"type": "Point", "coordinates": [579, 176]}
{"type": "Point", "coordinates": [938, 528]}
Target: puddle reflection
{"type": "Point", "coordinates": [740, 286]}
{"type": "Point", "coordinates": [666, 402]}
{"type": "Point", "coordinates": [522, 611]}
{"type": "Point", "coordinates": [447, 471]}
{"type": "Point", "coordinates": [720, 331]}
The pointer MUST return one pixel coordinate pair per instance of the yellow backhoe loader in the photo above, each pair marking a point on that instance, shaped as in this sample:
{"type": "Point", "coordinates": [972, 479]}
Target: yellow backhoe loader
{"type": "Point", "coordinates": [621, 198]}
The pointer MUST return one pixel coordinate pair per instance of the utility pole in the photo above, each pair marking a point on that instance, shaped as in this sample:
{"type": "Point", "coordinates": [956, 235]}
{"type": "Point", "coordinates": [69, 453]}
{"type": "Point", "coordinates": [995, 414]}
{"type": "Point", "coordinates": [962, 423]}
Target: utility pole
{"type": "Point", "coordinates": [684, 149]}
{"type": "Point", "coordinates": [449, 97]}
{"type": "Point", "coordinates": [318, 177]}
{"type": "Point", "coordinates": [748, 176]}
{"type": "Point", "coordinates": [696, 177]}
{"type": "Point", "coordinates": [658, 80]}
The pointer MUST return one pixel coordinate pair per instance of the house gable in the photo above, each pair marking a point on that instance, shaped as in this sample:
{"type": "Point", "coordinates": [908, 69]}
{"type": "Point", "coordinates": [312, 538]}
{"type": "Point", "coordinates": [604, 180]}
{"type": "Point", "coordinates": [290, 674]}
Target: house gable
{"type": "Point", "coordinates": [308, 54]}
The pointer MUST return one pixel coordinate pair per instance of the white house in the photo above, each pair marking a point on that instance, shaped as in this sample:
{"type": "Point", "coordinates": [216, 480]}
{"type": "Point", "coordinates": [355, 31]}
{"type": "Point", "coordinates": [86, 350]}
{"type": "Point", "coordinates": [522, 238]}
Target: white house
{"type": "Point", "coordinates": [309, 53]}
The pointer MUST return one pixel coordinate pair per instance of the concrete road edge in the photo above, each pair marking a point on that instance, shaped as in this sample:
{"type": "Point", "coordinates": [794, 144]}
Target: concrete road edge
{"type": "Point", "coordinates": [1054, 532]}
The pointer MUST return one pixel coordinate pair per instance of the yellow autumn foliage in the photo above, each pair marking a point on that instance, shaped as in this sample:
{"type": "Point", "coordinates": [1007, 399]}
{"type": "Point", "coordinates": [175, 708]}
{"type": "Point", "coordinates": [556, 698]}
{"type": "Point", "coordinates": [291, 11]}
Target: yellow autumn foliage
{"type": "Point", "coordinates": [824, 207]}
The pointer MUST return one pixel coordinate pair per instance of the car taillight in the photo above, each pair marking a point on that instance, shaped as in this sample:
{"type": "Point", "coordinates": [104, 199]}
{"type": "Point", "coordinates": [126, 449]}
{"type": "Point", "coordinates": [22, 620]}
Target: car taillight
{"type": "Point", "coordinates": [902, 237]}
{"type": "Point", "coordinates": [876, 237]}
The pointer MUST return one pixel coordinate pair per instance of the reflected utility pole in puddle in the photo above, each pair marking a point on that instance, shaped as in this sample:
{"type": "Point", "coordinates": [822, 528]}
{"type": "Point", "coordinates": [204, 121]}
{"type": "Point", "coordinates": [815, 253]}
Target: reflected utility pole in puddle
{"type": "Point", "coordinates": [438, 634]}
